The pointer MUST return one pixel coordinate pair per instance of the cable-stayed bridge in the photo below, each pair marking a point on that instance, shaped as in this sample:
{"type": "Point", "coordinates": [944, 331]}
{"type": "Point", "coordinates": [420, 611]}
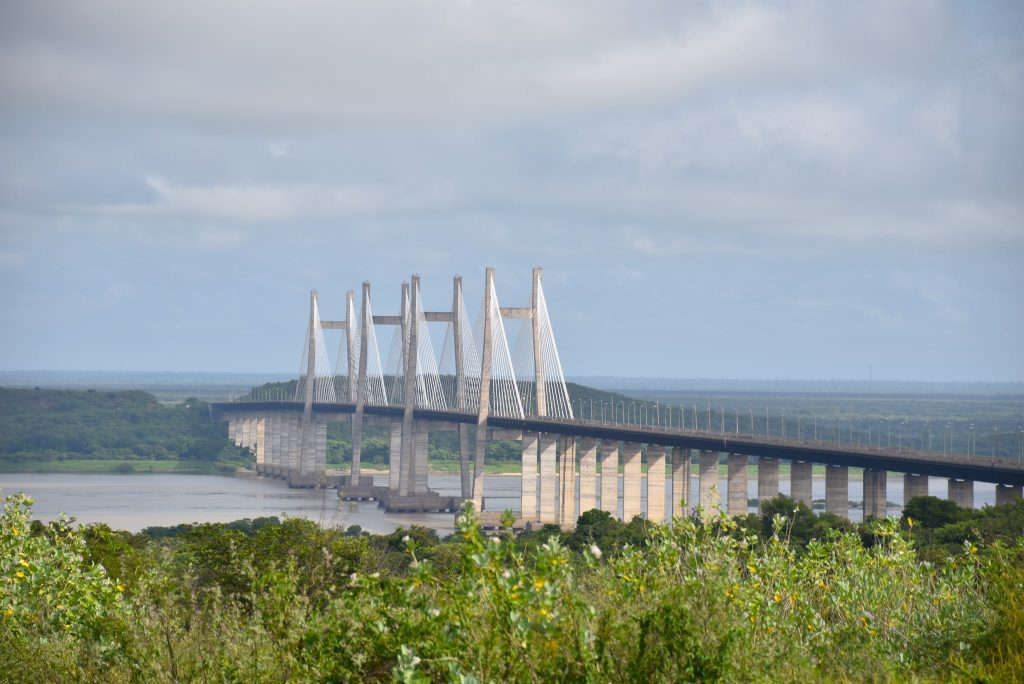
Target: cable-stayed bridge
{"type": "Point", "coordinates": [501, 374]}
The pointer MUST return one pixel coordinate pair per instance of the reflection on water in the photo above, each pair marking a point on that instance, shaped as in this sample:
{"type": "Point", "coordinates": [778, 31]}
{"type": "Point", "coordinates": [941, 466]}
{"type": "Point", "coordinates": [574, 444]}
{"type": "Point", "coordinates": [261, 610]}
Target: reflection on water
{"type": "Point", "coordinates": [135, 501]}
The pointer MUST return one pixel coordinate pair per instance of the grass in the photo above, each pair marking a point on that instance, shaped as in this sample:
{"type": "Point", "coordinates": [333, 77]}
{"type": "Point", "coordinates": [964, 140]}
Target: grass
{"type": "Point", "coordinates": [119, 466]}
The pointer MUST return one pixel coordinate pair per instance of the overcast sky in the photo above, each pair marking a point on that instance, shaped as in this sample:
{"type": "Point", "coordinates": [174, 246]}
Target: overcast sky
{"type": "Point", "coordinates": [785, 190]}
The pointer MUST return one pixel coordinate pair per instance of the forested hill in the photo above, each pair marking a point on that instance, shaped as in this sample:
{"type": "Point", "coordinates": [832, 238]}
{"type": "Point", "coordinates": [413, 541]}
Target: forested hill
{"type": "Point", "coordinates": [47, 424]}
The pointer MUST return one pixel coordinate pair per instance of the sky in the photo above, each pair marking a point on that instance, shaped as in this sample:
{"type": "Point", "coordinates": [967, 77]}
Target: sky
{"type": "Point", "coordinates": [723, 189]}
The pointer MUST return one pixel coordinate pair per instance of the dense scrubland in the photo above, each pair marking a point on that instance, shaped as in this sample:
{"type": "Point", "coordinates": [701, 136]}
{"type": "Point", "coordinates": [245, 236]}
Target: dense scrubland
{"type": "Point", "coordinates": [784, 596]}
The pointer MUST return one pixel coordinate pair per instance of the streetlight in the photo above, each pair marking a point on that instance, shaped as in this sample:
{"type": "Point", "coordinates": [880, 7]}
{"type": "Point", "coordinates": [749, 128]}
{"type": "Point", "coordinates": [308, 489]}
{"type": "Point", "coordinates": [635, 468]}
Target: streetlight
{"type": "Point", "coordinates": [737, 421]}
{"type": "Point", "coordinates": [709, 417]}
{"type": "Point", "coordinates": [721, 413]}
{"type": "Point", "coordinates": [695, 418]}
{"type": "Point", "coordinates": [751, 422]}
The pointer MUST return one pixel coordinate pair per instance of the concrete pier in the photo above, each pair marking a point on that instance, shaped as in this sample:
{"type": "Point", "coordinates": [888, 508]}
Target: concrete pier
{"type": "Point", "coordinates": [395, 456]}
{"type": "Point", "coordinates": [800, 478]}
{"type": "Point", "coordinates": [548, 475]}
{"type": "Point", "coordinates": [737, 484]}
{"type": "Point", "coordinates": [588, 474]}
{"type": "Point", "coordinates": [656, 483]}
{"type": "Point", "coordinates": [610, 477]}
{"type": "Point", "coordinates": [528, 509]}
{"type": "Point", "coordinates": [961, 492]}
{"type": "Point", "coordinates": [767, 479]}
{"type": "Point", "coordinates": [914, 485]}
{"type": "Point", "coordinates": [261, 446]}
{"type": "Point", "coordinates": [279, 442]}
{"type": "Point", "coordinates": [631, 481]}
{"type": "Point", "coordinates": [709, 479]}
{"type": "Point", "coordinates": [837, 490]}
{"type": "Point", "coordinates": [320, 447]}
{"type": "Point", "coordinates": [875, 501]}
{"type": "Point", "coordinates": [680, 482]}
{"type": "Point", "coordinates": [1007, 494]}
{"type": "Point", "coordinates": [421, 447]}
{"type": "Point", "coordinates": [567, 483]}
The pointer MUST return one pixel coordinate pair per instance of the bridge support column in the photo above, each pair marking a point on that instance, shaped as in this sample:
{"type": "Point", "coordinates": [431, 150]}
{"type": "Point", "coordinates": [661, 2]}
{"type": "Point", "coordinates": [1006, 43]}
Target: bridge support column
{"type": "Point", "coordinates": [395, 456]}
{"type": "Point", "coordinates": [320, 447]}
{"type": "Point", "coordinates": [631, 478]}
{"type": "Point", "coordinates": [1007, 494]}
{"type": "Point", "coordinates": [656, 483]}
{"type": "Point", "coordinates": [914, 485]}
{"type": "Point", "coordinates": [709, 479]}
{"type": "Point", "coordinates": [233, 430]}
{"type": "Point", "coordinates": [680, 481]}
{"type": "Point", "coordinates": [588, 474]}
{"type": "Point", "coordinates": [271, 437]}
{"type": "Point", "coordinates": [801, 474]}
{"type": "Point", "coordinates": [567, 484]}
{"type": "Point", "coordinates": [737, 484]}
{"type": "Point", "coordinates": [245, 438]}
{"type": "Point", "coordinates": [837, 490]}
{"type": "Point", "coordinates": [610, 477]}
{"type": "Point", "coordinates": [547, 448]}
{"type": "Point", "coordinates": [528, 486]}
{"type": "Point", "coordinates": [961, 492]}
{"type": "Point", "coordinates": [295, 441]}
{"type": "Point", "coordinates": [281, 443]}
{"type": "Point", "coordinates": [260, 444]}
{"type": "Point", "coordinates": [767, 479]}
{"type": "Point", "coordinates": [464, 472]}
{"type": "Point", "coordinates": [421, 449]}
{"type": "Point", "coordinates": [875, 501]}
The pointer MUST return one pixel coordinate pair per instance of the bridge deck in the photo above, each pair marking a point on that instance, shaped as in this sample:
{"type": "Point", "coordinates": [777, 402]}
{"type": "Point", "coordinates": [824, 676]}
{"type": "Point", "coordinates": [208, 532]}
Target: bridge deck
{"type": "Point", "coordinates": [937, 464]}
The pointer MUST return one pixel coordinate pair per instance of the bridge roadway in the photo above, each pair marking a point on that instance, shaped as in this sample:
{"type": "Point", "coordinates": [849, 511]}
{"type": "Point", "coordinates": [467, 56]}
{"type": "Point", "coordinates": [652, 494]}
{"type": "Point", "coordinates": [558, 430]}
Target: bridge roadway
{"type": "Point", "coordinates": [936, 464]}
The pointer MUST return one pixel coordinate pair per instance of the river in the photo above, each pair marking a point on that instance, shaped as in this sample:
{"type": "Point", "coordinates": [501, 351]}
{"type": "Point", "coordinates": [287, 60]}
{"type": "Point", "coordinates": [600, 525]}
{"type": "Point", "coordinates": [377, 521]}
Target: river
{"type": "Point", "coordinates": [135, 501]}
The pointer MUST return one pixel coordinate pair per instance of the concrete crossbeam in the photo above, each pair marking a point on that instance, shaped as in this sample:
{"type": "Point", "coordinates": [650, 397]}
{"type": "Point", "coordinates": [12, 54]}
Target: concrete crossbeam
{"type": "Point", "coordinates": [800, 479]}
{"type": "Point", "coordinates": [528, 505]}
{"type": "Point", "coordinates": [737, 484]}
{"type": "Point", "coordinates": [709, 496]}
{"type": "Point", "coordinates": [837, 490]}
{"type": "Point", "coordinates": [875, 494]}
{"type": "Point", "coordinates": [767, 479]}
{"type": "Point", "coordinates": [548, 475]}
{"type": "Point", "coordinates": [961, 492]}
{"type": "Point", "coordinates": [680, 482]}
{"type": "Point", "coordinates": [656, 483]}
{"type": "Point", "coordinates": [631, 481]}
{"type": "Point", "coordinates": [610, 477]}
{"type": "Point", "coordinates": [588, 474]}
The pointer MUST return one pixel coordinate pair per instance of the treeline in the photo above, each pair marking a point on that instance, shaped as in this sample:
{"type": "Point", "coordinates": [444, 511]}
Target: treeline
{"type": "Point", "coordinates": [786, 596]}
{"type": "Point", "coordinates": [47, 424]}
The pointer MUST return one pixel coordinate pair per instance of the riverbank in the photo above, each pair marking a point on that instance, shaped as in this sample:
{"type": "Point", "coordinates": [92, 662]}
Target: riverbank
{"type": "Point", "coordinates": [121, 466]}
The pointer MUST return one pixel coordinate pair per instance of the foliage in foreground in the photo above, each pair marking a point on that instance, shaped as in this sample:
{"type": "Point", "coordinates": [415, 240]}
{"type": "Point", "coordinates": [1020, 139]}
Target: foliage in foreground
{"type": "Point", "coordinates": [700, 600]}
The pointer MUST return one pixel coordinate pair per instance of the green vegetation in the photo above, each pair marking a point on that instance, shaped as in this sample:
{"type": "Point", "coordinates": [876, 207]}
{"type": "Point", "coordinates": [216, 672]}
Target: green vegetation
{"type": "Point", "coordinates": [62, 428]}
{"type": "Point", "coordinates": [761, 598]}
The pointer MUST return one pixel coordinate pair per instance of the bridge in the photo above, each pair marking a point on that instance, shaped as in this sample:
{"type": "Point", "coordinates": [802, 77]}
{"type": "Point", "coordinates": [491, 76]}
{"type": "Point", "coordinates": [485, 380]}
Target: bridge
{"type": "Point", "coordinates": [485, 388]}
